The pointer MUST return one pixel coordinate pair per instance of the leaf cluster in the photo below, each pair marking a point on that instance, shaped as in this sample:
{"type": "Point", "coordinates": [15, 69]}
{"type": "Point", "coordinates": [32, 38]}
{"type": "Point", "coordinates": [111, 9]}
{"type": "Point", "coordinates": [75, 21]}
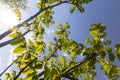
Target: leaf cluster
{"type": "Point", "coordinates": [58, 59]}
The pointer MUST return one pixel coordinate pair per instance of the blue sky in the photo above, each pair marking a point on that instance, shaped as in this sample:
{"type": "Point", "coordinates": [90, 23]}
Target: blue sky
{"type": "Point", "coordinates": [105, 11]}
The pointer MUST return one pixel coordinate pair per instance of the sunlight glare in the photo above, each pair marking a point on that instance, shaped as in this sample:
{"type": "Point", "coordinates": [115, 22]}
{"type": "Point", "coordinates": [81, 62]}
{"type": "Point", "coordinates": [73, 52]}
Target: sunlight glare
{"type": "Point", "coordinates": [7, 17]}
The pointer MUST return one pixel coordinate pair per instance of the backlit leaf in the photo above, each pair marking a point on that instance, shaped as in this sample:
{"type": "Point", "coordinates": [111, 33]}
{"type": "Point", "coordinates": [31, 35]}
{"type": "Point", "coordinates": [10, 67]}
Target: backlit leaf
{"type": "Point", "coordinates": [39, 3]}
{"type": "Point", "coordinates": [29, 77]}
{"type": "Point", "coordinates": [18, 42]}
{"type": "Point", "coordinates": [94, 32]}
{"type": "Point", "coordinates": [28, 70]}
{"type": "Point", "coordinates": [14, 34]}
{"type": "Point", "coordinates": [117, 48]}
{"type": "Point", "coordinates": [39, 49]}
{"type": "Point", "coordinates": [111, 57]}
{"type": "Point", "coordinates": [19, 50]}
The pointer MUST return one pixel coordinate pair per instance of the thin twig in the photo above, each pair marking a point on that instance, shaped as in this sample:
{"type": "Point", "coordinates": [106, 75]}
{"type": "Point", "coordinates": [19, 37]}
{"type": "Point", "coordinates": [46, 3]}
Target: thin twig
{"type": "Point", "coordinates": [23, 69]}
{"type": "Point", "coordinates": [52, 53]}
{"type": "Point", "coordinates": [74, 67]}
{"type": "Point", "coordinates": [40, 74]}
{"type": "Point", "coordinates": [7, 68]}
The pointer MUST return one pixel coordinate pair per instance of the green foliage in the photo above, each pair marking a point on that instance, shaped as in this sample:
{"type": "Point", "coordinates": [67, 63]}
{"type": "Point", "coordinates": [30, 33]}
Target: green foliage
{"type": "Point", "coordinates": [110, 70]}
{"type": "Point", "coordinates": [18, 42]}
{"type": "Point", "coordinates": [28, 70]}
{"type": "Point", "coordinates": [40, 59]}
{"type": "Point", "coordinates": [39, 48]}
{"type": "Point", "coordinates": [77, 4]}
{"type": "Point", "coordinates": [19, 49]}
{"type": "Point", "coordinates": [117, 47]}
{"type": "Point", "coordinates": [15, 33]}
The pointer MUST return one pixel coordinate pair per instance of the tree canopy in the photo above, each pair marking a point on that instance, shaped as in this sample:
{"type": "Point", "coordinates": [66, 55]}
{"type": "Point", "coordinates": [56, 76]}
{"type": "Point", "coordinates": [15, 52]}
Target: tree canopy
{"type": "Point", "coordinates": [31, 63]}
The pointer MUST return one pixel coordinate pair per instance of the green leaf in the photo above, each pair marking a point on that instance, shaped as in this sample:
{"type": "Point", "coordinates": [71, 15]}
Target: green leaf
{"type": "Point", "coordinates": [35, 77]}
{"type": "Point", "coordinates": [117, 48]}
{"type": "Point", "coordinates": [18, 42]}
{"type": "Point", "coordinates": [38, 4]}
{"type": "Point", "coordinates": [38, 18]}
{"type": "Point", "coordinates": [28, 70]}
{"type": "Point", "coordinates": [17, 12]}
{"type": "Point", "coordinates": [38, 66]}
{"type": "Point", "coordinates": [8, 77]}
{"type": "Point", "coordinates": [13, 74]}
{"type": "Point", "coordinates": [51, 43]}
{"type": "Point", "coordinates": [62, 59]}
{"type": "Point", "coordinates": [14, 34]}
{"type": "Point", "coordinates": [104, 66]}
{"type": "Point", "coordinates": [81, 9]}
{"type": "Point", "coordinates": [22, 65]}
{"type": "Point", "coordinates": [66, 26]}
{"type": "Point", "coordinates": [72, 48]}
{"type": "Point", "coordinates": [118, 54]}
{"type": "Point", "coordinates": [81, 45]}
{"type": "Point", "coordinates": [72, 9]}
{"type": "Point", "coordinates": [108, 71]}
{"type": "Point", "coordinates": [94, 32]}
{"type": "Point", "coordinates": [49, 48]}
{"type": "Point", "coordinates": [29, 77]}
{"type": "Point", "coordinates": [36, 43]}
{"type": "Point", "coordinates": [40, 48]}
{"type": "Point", "coordinates": [19, 50]}
{"type": "Point", "coordinates": [47, 70]}
{"type": "Point", "coordinates": [101, 27]}
{"type": "Point", "coordinates": [88, 41]}
{"type": "Point", "coordinates": [111, 57]}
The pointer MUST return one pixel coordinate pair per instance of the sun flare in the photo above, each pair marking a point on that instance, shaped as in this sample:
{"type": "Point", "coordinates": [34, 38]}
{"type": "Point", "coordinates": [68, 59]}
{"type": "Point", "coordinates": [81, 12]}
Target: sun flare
{"type": "Point", "coordinates": [7, 17]}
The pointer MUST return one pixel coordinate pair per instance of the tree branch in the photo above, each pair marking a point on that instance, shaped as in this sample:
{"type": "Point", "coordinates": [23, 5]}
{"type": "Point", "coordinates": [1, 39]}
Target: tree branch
{"type": "Point", "coordinates": [88, 57]}
{"type": "Point", "coordinates": [7, 68]}
{"type": "Point", "coordinates": [66, 76]}
{"type": "Point", "coordinates": [32, 17]}
{"type": "Point", "coordinates": [69, 77]}
{"type": "Point", "coordinates": [8, 42]}
{"type": "Point", "coordinates": [74, 67]}
{"type": "Point", "coordinates": [52, 53]}
{"type": "Point", "coordinates": [40, 74]}
{"type": "Point", "coordinates": [19, 25]}
{"type": "Point", "coordinates": [23, 69]}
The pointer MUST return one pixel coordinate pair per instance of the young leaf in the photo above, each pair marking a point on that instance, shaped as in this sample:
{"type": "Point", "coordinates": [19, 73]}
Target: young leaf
{"type": "Point", "coordinates": [38, 66]}
{"type": "Point", "coordinates": [14, 34]}
{"type": "Point", "coordinates": [118, 55]}
{"type": "Point", "coordinates": [28, 70]}
{"type": "Point", "coordinates": [107, 42]}
{"type": "Point", "coordinates": [47, 70]}
{"type": "Point", "coordinates": [29, 77]}
{"type": "Point", "coordinates": [39, 3]}
{"type": "Point", "coordinates": [19, 49]}
{"type": "Point", "coordinates": [94, 32]}
{"type": "Point", "coordinates": [18, 42]}
{"type": "Point", "coordinates": [111, 57]}
{"type": "Point", "coordinates": [66, 26]}
{"type": "Point", "coordinates": [39, 49]}
{"type": "Point", "coordinates": [117, 48]}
